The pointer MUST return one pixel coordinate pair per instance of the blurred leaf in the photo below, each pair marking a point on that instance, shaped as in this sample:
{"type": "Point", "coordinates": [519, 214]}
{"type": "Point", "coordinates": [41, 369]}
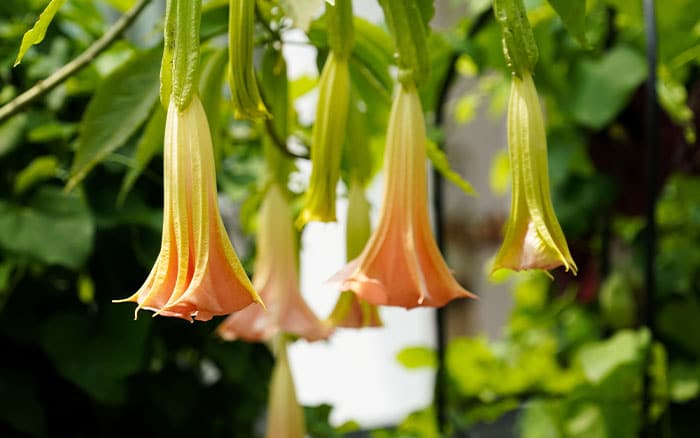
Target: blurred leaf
{"type": "Point", "coordinates": [36, 34]}
{"type": "Point", "coordinates": [684, 382]}
{"type": "Point", "coordinates": [586, 422]}
{"type": "Point", "coordinates": [86, 289]}
{"type": "Point", "coordinates": [420, 424]}
{"type": "Point", "coordinates": [678, 321]}
{"type": "Point", "coordinates": [573, 15]}
{"type": "Point", "coordinates": [11, 132]}
{"type": "Point", "coordinates": [499, 175]}
{"type": "Point", "coordinates": [118, 108]}
{"type": "Point", "coordinates": [442, 164]}
{"type": "Point", "coordinates": [417, 357]}
{"type": "Point", "coordinates": [601, 88]}
{"type": "Point", "coordinates": [54, 228]}
{"type": "Point", "coordinates": [100, 363]}
{"type": "Point", "coordinates": [40, 169]}
{"type": "Point", "coordinates": [148, 147]}
{"type": "Point", "coordinates": [601, 359]}
{"type": "Point", "coordinates": [618, 301]}
{"type": "Point", "coordinates": [541, 419]}
{"type": "Point", "coordinates": [302, 85]}
{"type": "Point", "coordinates": [19, 405]}
{"type": "Point", "coordinates": [211, 80]}
{"type": "Point", "coordinates": [659, 384]}
{"type": "Point", "coordinates": [121, 5]}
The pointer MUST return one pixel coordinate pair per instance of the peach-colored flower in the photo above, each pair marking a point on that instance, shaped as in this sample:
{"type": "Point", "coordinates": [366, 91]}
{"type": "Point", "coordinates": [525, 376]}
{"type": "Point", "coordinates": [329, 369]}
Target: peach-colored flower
{"type": "Point", "coordinates": [351, 311]}
{"type": "Point", "coordinates": [197, 273]}
{"type": "Point", "coordinates": [277, 279]}
{"type": "Point", "coordinates": [285, 416]}
{"type": "Point", "coordinates": [401, 264]}
{"type": "Point", "coordinates": [534, 239]}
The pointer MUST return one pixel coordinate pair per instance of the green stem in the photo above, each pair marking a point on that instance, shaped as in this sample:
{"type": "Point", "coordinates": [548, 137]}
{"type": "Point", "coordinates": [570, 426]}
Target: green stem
{"type": "Point", "coordinates": [410, 34]}
{"type": "Point", "coordinates": [519, 46]}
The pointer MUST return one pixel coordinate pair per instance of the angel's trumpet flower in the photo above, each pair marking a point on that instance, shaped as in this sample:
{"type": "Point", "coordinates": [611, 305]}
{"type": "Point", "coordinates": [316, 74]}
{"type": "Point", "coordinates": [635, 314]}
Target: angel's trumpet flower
{"type": "Point", "coordinates": [197, 273]}
{"type": "Point", "coordinates": [351, 311]}
{"type": "Point", "coordinates": [401, 264]}
{"type": "Point", "coordinates": [277, 279]}
{"type": "Point", "coordinates": [533, 238]}
{"type": "Point", "coordinates": [285, 416]}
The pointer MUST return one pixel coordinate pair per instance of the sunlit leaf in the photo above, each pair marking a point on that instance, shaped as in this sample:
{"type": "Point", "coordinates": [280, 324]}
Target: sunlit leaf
{"type": "Point", "coordinates": [40, 169]}
{"type": "Point", "coordinates": [36, 34]}
{"type": "Point", "coordinates": [417, 357]}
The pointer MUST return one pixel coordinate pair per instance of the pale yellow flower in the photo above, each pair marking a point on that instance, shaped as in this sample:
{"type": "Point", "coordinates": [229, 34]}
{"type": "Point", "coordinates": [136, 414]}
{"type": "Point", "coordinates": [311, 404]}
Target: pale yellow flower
{"type": "Point", "coordinates": [533, 238]}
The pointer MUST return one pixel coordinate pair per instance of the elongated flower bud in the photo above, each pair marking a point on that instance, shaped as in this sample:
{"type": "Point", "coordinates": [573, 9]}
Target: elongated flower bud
{"type": "Point", "coordinates": [533, 239]}
{"type": "Point", "coordinates": [285, 417]}
{"type": "Point", "coordinates": [327, 140]}
{"type": "Point", "coordinates": [245, 95]}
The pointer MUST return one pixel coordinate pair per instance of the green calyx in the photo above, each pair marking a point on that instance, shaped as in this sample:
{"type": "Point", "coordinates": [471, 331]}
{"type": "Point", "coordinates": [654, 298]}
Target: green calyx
{"type": "Point", "coordinates": [341, 33]}
{"type": "Point", "coordinates": [519, 46]}
{"type": "Point", "coordinates": [408, 26]}
{"type": "Point", "coordinates": [180, 65]}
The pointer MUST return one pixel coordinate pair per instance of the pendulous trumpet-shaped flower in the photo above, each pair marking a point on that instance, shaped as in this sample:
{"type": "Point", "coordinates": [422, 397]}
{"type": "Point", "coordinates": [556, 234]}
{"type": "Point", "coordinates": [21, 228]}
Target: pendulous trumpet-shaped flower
{"type": "Point", "coordinates": [285, 416]}
{"type": "Point", "coordinates": [351, 311]}
{"type": "Point", "coordinates": [533, 238]}
{"type": "Point", "coordinates": [277, 279]}
{"type": "Point", "coordinates": [197, 273]}
{"type": "Point", "coordinates": [401, 264]}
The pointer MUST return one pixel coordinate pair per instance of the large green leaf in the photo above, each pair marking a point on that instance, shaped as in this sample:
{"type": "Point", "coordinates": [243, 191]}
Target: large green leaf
{"type": "Point", "coordinates": [117, 110]}
{"type": "Point", "coordinates": [573, 15]}
{"type": "Point", "coordinates": [602, 359]}
{"type": "Point", "coordinates": [679, 322]}
{"type": "Point", "coordinates": [36, 34]}
{"type": "Point", "coordinates": [101, 362]}
{"type": "Point", "coordinates": [601, 88]}
{"type": "Point", "coordinates": [54, 228]}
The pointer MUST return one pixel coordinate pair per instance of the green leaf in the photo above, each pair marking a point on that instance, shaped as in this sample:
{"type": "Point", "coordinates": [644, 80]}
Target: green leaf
{"type": "Point", "coordinates": [417, 357]}
{"type": "Point", "coordinates": [101, 362]}
{"type": "Point", "coordinates": [11, 132]}
{"type": "Point", "coordinates": [678, 321]}
{"type": "Point", "coordinates": [602, 88]}
{"type": "Point", "coordinates": [442, 164]}
{"type": "Point", "coordinates": [541, 419]}
{"type": "Point", "coordinates": [573, 15]}
{"type": "Point", "coordinates": [587, 421]}
{"type": "Point", "coordinates": [40, 169]}
{"type": "Point", "coordinates": [600, 360]}
{"type": "Point", "coordinates": [54, 228]}
{"type": "Point", "coordinates": [148, 147]}
{"type": "Point", "coordinates": [121, 5]}
{"type": "Point", "coordinates": [118, 108]}
{"type": "Point", "coordinates": [301, 12]}
{"type": "Point", "coordinates": [36, 34]}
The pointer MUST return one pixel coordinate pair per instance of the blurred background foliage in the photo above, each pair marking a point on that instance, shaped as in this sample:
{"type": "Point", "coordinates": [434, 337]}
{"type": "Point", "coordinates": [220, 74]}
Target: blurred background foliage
{"type": "Point", "coordinates": [573, 360]}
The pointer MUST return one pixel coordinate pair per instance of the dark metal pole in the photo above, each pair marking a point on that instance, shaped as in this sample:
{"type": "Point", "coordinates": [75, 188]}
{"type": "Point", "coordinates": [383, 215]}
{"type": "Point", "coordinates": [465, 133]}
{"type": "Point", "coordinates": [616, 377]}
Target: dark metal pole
{"type": "Point", "coordinates": [646, 305]}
